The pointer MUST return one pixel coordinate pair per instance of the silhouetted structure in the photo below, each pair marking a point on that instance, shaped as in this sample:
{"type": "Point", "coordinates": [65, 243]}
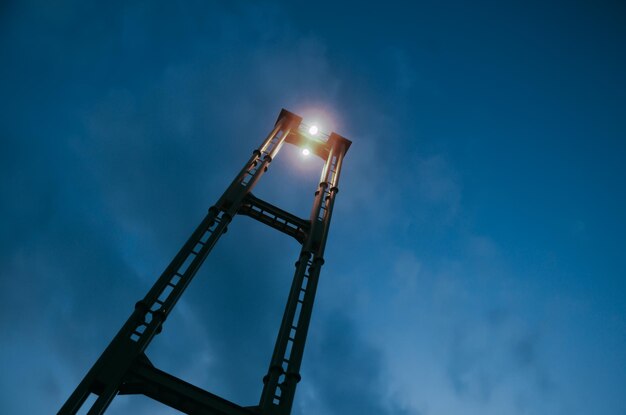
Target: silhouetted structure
{"type": "Point", "coordinates": [123, 366]}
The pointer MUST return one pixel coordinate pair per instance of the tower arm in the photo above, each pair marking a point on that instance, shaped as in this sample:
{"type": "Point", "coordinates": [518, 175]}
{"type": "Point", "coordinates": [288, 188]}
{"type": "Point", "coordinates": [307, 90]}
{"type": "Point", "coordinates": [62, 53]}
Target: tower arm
{"type": "Point", "coordinates": [275, 217]}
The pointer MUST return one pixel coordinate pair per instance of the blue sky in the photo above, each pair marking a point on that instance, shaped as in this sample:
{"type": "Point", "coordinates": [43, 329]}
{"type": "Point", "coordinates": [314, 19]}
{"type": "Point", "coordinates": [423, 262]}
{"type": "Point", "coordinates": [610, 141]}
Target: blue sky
{"type": "Point", "coordinates": [476, 258]}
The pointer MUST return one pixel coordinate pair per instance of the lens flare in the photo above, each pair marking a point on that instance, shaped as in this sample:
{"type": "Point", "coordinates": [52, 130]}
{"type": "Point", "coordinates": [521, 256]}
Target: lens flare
{"type": "Point", "coordinates": [306, 152]}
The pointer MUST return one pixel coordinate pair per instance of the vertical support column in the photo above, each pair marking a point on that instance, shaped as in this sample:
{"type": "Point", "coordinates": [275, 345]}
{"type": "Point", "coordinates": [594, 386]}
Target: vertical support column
{"type": "Point", "coordinates": [284, 371]}
{"type": "Point", "coordinates": [108, 373]}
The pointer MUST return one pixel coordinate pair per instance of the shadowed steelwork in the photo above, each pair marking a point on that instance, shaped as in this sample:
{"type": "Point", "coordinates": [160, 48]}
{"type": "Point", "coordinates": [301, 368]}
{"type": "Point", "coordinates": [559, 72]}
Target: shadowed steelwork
{"type": "Point", "coordinates": [124, 368]}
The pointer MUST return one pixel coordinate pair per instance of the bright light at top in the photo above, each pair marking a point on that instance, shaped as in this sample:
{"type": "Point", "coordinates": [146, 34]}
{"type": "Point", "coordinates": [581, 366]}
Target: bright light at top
{"type": "Point", "coordinates": [306, 152]}
{"type": "Point", "coordinates": [313, 130]}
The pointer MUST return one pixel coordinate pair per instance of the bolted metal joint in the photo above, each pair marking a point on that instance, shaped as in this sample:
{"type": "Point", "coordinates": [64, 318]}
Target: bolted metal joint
{"type": "Point", "coordinates": [160, 315]}
{"type": "Point", "coordinates": [293, 375]}
{"type": "Point", "coordinates": [142, 306]}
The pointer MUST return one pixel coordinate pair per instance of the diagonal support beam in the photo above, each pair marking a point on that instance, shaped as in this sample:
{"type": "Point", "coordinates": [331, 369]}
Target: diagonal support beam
{"type": "Point", "coordinates": [147, 380]}
{"type": "Point", "coordinates": [275, 217]}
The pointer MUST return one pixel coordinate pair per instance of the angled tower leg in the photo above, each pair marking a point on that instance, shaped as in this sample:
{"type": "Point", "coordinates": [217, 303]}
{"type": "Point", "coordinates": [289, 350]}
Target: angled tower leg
{"type": "Point", "coordinates": [114, 365]}
{"type": "Point", "coordinates": [284, 371]}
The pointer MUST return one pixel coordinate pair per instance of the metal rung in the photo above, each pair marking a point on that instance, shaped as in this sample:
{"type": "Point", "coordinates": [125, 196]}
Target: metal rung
{"type": "Point", "coordinates": [171, 285]}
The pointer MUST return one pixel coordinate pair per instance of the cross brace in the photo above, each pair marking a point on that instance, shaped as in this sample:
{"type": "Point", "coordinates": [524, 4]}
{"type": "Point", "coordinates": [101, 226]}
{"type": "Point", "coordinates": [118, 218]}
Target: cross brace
{"type": "Point", "coordinates": [275, 217]}
{"type": "Point", "coordinates": [146, 379]}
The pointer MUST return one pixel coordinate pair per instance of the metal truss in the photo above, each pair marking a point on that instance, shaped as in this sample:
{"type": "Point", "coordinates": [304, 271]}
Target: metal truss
{"type": "Point", "coordinates": [124, 368]}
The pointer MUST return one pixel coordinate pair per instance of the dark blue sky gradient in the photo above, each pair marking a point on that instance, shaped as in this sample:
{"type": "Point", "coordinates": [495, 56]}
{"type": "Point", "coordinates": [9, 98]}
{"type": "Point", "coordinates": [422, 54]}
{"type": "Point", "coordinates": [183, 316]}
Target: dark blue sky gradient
{"type": "Point", "coordinates": [476, 258]}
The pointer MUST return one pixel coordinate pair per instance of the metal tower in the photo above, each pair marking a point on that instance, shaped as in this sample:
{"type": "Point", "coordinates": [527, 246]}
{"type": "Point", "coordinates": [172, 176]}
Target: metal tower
{"type": "Point", "coordinates": [123, 366]}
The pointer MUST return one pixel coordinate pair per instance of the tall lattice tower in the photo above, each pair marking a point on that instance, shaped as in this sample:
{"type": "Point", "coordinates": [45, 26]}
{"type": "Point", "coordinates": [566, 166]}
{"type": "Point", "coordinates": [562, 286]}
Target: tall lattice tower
{"type": "Point", "coordinates": [123, 366]}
